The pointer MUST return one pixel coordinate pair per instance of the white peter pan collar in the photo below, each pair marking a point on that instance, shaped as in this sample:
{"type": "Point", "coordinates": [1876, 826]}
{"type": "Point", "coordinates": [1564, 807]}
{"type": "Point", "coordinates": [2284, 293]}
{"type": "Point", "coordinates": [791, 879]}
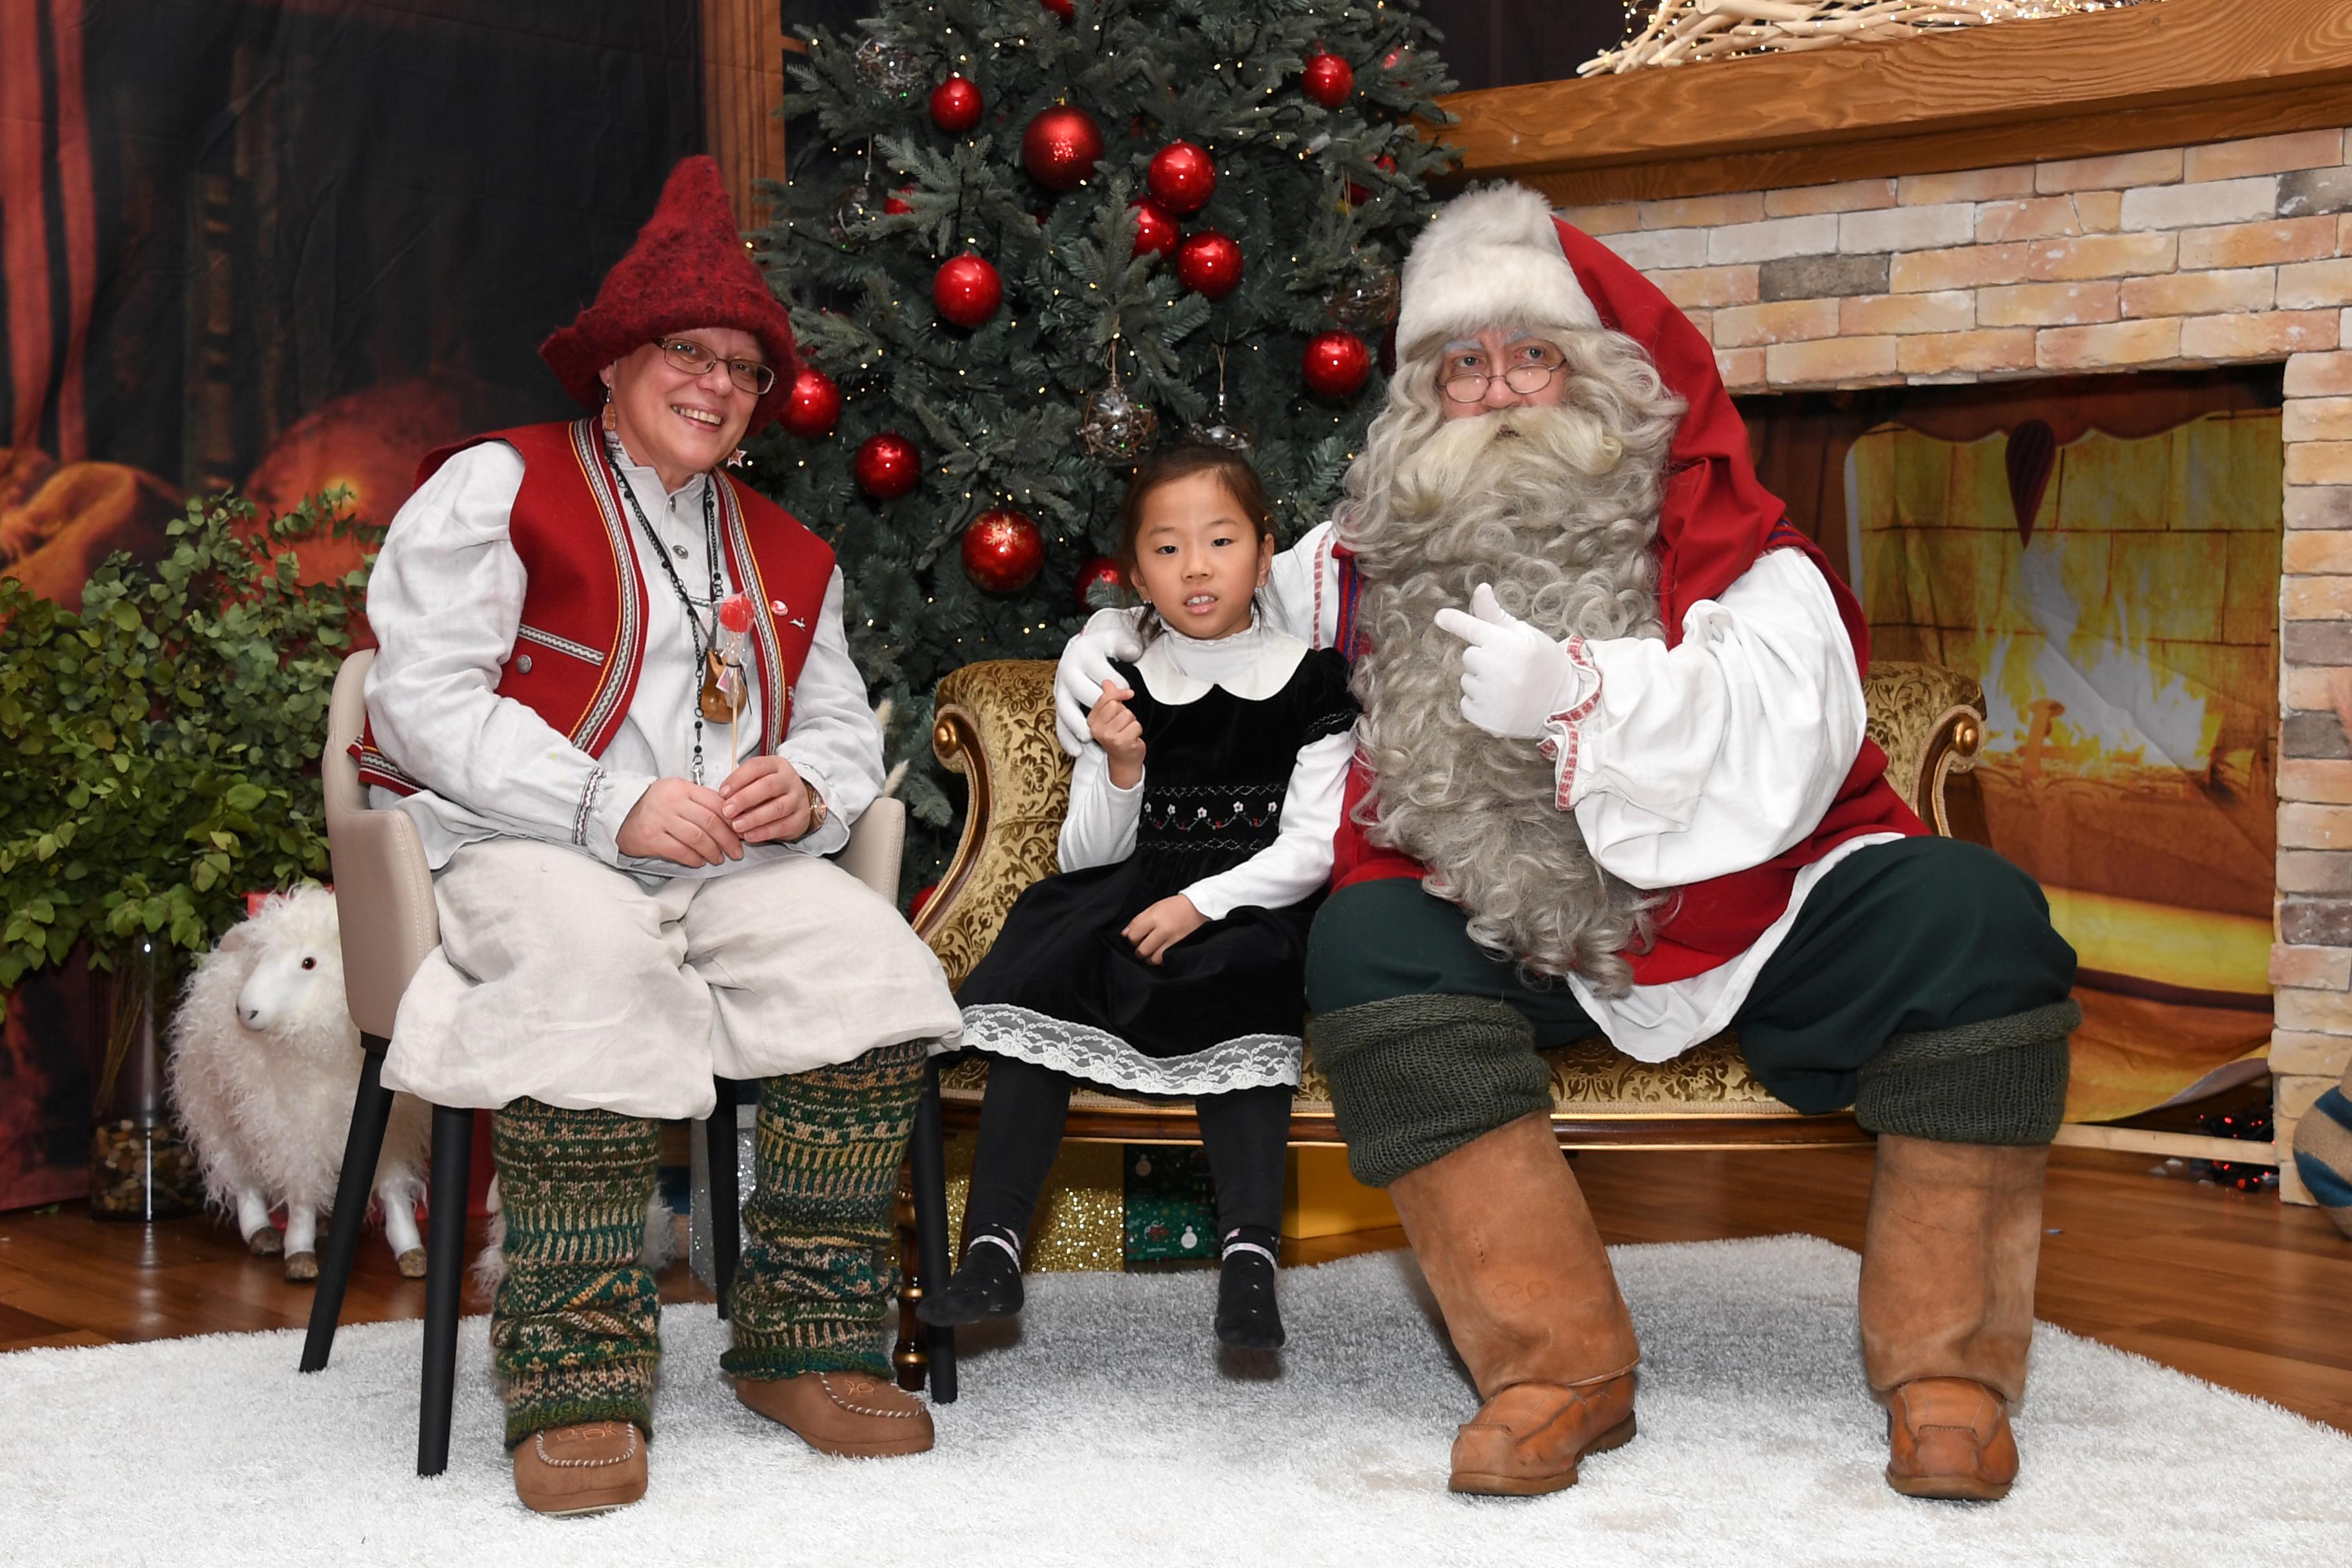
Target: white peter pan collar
{"type": "Point", "coordinates": [1252, 664]}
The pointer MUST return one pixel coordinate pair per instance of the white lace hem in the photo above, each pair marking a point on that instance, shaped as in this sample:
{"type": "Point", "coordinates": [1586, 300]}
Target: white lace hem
{"type": "Point", "coordinates": [1247, 1061]}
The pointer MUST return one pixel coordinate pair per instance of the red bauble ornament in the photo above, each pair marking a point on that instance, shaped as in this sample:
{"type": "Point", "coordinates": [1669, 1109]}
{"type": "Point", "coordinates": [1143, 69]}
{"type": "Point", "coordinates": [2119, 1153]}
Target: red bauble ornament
{"type": "Point", "coordinates": [1062, 8]}
{"type": "Point", "coordinates": [922, 896]}
{"type": "Point", "coordinates": [1357, 194]}
{"type": "Point", "coordinates": [1101, 585]}
{"type": "Point", "coordinates": [956, 105]}
{"type": "Point", "coordinates": [1335, 363]}
{"type": "Point", "coordinates": [888, 465]}
{"type": "Point", "coordinates": [896, 201]}
{"type": "Point", "coordinates": [1061, 147]}
{"type": "Point", "coordinates": [1155, 230]}
{"type": "Point", "coordinates": [1209, 264]}
{"type": "Point", "coordinates": [967, 289]}
{"type": "Point", "coordinates": [1003, 551]}
{"type": "Point", "coordinates": [1327, 80]}
{"type": "Point", "coordinates": [1182, 177]}
{"type": "Point", "coordinates": [813, 407]}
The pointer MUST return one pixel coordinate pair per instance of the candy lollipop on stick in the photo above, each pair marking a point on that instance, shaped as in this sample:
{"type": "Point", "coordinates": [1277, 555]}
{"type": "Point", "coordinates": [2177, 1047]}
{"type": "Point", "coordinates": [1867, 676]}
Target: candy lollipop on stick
{"type": "Point", "coordinates": [734, 623]}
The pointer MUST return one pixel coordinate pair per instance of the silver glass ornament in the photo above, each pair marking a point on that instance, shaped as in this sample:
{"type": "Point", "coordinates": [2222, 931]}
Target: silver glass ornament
{"type": "Point", "coordinates": [1223, 429]}
{"type": "Point", "coordinates": [1368, 303]}
{"type": "Point", "coordinates": [1113, 427]}
{"type": "Point", "coordinates": [884, 63]}
{"type": "Point", "coordinates": [852, 210]}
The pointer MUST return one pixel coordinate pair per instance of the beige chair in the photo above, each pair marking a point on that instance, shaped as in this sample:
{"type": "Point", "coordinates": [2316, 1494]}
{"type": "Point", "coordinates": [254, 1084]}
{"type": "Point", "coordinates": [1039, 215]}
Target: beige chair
{"type": "Point", "coordinates": [384, 896]}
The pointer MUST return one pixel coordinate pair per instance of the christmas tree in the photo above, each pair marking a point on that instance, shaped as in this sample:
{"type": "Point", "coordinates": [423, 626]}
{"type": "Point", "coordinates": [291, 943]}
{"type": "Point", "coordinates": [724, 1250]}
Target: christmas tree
{"type": "Point", "coordinates": [1031, 239]}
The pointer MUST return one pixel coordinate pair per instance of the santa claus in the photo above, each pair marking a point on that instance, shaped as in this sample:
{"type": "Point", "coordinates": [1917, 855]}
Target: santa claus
{"type": "Point", "coordinates": [1613, 777]}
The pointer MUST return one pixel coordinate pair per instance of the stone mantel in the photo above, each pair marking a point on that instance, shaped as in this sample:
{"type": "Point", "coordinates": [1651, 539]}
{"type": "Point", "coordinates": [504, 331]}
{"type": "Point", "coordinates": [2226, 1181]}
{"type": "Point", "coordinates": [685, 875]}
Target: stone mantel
{"type": "Point", "coordinates": [2167, 74]}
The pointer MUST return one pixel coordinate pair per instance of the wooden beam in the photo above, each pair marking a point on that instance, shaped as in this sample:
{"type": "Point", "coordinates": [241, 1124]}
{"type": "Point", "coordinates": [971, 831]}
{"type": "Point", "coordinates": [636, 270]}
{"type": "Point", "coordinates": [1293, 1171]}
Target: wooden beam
{"type": "Point", "coordinates": [2158, 75]}
{"type": "Point", "coordinates": [2171, 1145]}
{"type": "Point", "coordinates": [742, 90]}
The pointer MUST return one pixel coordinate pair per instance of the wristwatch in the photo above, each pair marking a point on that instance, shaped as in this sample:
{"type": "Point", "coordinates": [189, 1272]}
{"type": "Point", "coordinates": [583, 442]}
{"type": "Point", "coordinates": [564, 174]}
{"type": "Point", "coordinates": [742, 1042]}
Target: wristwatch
{"type": "Point", "coordinates": [819, 814]}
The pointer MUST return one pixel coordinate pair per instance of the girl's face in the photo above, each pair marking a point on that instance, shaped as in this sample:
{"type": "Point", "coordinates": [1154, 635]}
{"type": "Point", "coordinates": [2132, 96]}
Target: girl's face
{"type": "Point", "coordinates": [1197, 558]}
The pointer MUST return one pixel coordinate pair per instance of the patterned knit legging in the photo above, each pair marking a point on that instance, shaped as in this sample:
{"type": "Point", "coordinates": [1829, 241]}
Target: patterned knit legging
{"type": "Point", "coordinates": [574, 1335]}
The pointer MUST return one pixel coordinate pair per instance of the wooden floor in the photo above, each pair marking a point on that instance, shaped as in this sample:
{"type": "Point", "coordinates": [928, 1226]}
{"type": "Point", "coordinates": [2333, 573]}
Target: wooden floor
{"type": "Point", "coordinates": [2234, 1288]}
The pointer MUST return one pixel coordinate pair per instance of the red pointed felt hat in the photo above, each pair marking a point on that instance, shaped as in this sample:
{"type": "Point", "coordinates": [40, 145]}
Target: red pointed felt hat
{"type": "Point", "coordinates": [687, 269]}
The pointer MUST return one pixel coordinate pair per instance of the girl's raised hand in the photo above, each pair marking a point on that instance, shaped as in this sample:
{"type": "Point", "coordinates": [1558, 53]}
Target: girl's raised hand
{"type": "Point", "coordinates": [1119, 733]}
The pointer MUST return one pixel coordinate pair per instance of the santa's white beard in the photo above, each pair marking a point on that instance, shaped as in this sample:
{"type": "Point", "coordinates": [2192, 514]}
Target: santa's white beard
{"type": "Point", "coordinates": [1548, 506]}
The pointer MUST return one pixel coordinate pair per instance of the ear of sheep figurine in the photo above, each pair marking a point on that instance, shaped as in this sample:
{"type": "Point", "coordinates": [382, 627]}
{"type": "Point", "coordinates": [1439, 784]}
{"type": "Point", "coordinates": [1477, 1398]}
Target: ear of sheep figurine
{"type": "Point", "coordinates": [265, 1064]}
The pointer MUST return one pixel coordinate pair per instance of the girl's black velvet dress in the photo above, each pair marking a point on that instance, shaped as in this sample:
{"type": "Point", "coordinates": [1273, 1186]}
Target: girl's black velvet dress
{"type": "Point", "coordinates": [1223, 1009]}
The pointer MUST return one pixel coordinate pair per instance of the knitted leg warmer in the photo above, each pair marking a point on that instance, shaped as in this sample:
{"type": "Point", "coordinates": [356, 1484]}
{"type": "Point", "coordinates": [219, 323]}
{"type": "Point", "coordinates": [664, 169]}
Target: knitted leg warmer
{"type": "Point", "coordinates": [822, 1270]}
{"type": "Point", "coordinates": [574, 1334]}
{"type": "Point", "coordinates": [2001, 1082]}
{"type": "Point", "coordinates": [1415, 1077]}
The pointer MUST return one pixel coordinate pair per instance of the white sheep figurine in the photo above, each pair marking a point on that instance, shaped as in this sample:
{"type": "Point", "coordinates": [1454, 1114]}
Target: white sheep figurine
{"type": "Point", "coordinates": [265, 1066]}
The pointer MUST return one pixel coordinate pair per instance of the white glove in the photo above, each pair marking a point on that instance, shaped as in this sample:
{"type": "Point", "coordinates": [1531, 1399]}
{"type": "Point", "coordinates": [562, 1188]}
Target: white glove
{"type": "Point", "coordinates": [1085, 666]}
{"type": "Point", "coordinates": [1514, 679]}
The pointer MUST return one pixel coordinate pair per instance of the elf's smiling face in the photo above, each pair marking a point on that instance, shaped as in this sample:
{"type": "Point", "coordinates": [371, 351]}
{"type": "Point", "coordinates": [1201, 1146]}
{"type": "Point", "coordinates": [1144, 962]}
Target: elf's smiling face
{"type": "Point", "coordinates": [675, 421]}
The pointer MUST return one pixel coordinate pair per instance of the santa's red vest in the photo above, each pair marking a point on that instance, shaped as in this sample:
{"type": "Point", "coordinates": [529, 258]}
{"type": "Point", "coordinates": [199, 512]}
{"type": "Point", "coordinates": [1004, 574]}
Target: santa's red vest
{"type": "Point", "coordinates": [581, 643]}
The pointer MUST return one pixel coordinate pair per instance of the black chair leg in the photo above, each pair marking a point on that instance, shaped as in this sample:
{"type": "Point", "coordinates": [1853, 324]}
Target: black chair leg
{"type": "Point", "coordinates": [926, 1152]}
{"type": "Point", "coordinates": [371, 1109]}
{"type": "Point", "coordinates": [444, 1279]}
{"type": "Point", "coordinates": [726, 1191]}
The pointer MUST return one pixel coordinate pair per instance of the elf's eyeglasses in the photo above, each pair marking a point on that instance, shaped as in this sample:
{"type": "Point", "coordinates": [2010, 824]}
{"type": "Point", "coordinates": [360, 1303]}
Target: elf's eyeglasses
{"type": "Point", "coordinates": [1538, 364]}
{"type": "Point", "coordinates": [691, 357]}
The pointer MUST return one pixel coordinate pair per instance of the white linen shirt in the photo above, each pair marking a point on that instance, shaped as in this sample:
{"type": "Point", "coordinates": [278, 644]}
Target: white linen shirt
{"type": "Point", "coordinates": [1695, 761]}
{"type": "Point", "coordinates": [446, 600]}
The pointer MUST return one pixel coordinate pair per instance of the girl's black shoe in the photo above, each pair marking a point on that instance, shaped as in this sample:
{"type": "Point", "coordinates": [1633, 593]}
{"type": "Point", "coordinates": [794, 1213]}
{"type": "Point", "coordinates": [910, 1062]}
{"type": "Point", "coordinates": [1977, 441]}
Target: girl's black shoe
{"type": "Point", "coordinates": [1247, 1315]}
{"type": "Point", "coordinates": [987, 1286]}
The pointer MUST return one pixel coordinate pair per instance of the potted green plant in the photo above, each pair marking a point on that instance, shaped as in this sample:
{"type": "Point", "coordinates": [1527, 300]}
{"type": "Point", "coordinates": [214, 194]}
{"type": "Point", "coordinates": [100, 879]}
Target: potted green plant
{"type": "Point", "coordinates": [159, 757]}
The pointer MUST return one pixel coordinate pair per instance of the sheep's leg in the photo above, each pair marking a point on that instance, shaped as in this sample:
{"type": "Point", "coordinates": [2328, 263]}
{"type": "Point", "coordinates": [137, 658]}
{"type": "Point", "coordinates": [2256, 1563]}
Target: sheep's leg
{"type": "Point", "coordinates": [396, 1195]}
{"type": "Point", "coordinates": [261, 1238]}
{"type": "Point", "coordinates": [301, 1239]}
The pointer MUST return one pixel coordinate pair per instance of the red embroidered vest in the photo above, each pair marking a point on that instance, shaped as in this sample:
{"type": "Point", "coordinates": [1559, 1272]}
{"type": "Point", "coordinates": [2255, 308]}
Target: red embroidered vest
{"type": "Point", "coordinates": [581, 643]}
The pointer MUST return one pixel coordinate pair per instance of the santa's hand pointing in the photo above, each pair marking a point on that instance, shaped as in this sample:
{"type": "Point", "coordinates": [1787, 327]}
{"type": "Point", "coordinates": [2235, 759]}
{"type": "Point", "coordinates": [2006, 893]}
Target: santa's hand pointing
{"type": "Point", "coordinates": [1515, 679]}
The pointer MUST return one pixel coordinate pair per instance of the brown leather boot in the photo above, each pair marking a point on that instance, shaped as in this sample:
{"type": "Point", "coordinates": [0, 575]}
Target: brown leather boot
{"type": "Point", "coordinates": [1511, 1254]}
{"type": "Point", "coordinates": [851, 1414]}
{"type": "Point", "coordinates": [588, 1468]}
{"type": "Point", "coordinates": [1947, 1264]}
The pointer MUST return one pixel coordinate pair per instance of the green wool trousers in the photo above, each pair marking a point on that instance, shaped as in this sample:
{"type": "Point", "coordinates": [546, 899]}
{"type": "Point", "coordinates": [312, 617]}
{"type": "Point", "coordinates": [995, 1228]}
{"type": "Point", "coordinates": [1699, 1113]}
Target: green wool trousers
{"type": "Point", "coordinates": [1921, 984]}
{"type": "Point", "coordinates": [575, 1334]}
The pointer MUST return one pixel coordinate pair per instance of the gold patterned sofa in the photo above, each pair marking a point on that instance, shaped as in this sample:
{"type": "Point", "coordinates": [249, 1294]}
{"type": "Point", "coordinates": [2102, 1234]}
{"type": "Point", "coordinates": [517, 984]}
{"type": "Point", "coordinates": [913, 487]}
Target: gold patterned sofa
{"type": "Point", "coordinates": [995, 724]}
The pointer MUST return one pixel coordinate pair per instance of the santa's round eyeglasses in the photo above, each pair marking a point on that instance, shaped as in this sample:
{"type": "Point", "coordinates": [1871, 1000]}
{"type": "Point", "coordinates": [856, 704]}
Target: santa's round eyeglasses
{"type": "Point", "coordinates": [695, 360]}
{"type": "Point", "coordinates": [1539, 362]}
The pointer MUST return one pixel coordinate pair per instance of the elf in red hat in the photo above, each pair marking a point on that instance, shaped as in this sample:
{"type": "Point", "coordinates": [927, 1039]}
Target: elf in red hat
{"type": "Point", "coordinates": [1613, 778]}
{"type": "Point", "coordinates": [615, 694]}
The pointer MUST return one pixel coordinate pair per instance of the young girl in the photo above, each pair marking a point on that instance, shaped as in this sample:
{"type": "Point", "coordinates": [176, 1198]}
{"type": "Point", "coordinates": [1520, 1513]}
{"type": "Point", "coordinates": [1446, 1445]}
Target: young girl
{"type": "Point", "coordinates": [1168, 957]}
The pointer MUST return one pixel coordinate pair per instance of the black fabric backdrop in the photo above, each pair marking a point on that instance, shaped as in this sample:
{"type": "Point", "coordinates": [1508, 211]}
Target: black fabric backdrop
{"type": "Point", "coordinates": [274, 243]}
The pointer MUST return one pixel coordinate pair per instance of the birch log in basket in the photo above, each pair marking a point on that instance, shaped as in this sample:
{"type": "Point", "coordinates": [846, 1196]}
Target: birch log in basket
{"type": "Point", "coordinates": [1688, 30]}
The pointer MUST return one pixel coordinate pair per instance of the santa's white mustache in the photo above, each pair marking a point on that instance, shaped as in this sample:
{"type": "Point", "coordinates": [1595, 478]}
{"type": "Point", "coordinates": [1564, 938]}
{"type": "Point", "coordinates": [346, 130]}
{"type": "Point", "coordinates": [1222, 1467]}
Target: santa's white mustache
{"type": "Point", "coordinates": [1491, 450]}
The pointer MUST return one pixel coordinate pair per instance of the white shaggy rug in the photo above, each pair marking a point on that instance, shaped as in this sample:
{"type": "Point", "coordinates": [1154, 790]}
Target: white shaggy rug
{"type": "Point", "coordinates": [1108, 1432]}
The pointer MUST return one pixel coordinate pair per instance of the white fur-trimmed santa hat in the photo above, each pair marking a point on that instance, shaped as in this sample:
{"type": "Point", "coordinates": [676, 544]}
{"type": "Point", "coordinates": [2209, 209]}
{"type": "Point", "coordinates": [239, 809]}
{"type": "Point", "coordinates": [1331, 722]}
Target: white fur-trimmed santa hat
{"type": "Point", "coordinates": [1487, 257]}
